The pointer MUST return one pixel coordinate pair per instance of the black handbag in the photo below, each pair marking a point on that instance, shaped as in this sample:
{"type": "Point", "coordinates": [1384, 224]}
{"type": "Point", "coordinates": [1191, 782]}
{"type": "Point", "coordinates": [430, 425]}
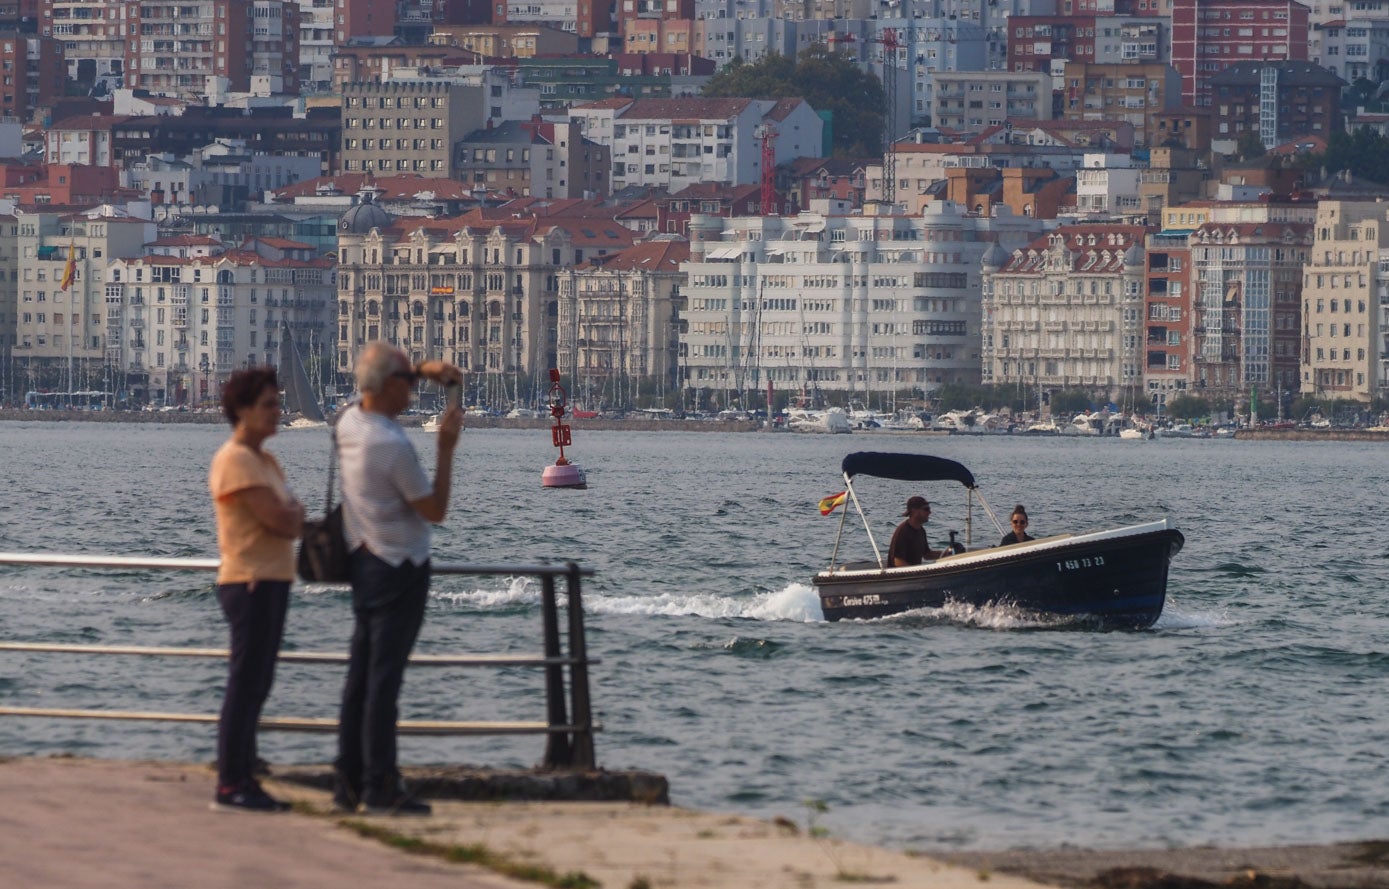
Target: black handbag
{"type": "Point", "coordinates": [323, 556]}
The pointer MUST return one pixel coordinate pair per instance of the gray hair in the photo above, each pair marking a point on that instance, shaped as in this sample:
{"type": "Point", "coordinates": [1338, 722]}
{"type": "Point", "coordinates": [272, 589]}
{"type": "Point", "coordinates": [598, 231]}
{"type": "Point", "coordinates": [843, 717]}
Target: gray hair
{"type": "Point", "coordinates": [375, 363]}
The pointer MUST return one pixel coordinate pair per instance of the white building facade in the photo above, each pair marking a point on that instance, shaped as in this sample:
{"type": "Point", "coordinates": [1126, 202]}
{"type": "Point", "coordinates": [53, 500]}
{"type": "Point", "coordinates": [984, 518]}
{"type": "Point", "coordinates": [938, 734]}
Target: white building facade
{"type": "Point", "coordinates": [837, 306]}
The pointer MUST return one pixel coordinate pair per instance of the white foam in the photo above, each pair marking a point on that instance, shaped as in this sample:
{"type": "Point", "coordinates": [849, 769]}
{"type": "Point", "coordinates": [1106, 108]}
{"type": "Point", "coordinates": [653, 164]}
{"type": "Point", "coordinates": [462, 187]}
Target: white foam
{"type": "Point", "coordinates": [519, 591]}
{"type": "Point", "coordinates": [797, 602]}
{"type": "Point", "coordinates": [1177, 619]}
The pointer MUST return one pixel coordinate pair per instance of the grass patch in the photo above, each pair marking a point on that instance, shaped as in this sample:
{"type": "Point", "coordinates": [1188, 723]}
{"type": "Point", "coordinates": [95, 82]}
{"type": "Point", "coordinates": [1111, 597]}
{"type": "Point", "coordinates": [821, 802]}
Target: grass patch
{"type": "Point", "coordinates": [473, 853]}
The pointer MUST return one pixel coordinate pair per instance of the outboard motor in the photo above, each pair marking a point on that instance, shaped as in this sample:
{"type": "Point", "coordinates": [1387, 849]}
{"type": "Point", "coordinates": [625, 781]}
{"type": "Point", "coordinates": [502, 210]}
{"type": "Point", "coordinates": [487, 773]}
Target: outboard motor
{"type": "Point", "coordinates": [955, 545]}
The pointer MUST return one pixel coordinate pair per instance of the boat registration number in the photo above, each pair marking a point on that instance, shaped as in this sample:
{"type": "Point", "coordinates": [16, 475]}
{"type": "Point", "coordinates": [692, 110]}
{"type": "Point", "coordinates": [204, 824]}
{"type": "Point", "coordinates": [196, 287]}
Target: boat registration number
{"type": "Point", "coordinates": [852, 601]}
{"type": "Point", "coordinates": [1079, 564]}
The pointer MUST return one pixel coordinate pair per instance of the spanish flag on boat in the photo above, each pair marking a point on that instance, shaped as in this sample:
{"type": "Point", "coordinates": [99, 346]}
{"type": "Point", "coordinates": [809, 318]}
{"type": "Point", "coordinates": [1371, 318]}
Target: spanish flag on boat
{"type": "Point", "coordinates": [833, 502]}
{"type": "Point", "coordinates": [69, 270]}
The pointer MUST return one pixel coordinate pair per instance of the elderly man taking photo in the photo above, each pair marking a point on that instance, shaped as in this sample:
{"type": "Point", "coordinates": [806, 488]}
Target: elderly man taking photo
{"type": "Point", "coordinates": [388, 506]}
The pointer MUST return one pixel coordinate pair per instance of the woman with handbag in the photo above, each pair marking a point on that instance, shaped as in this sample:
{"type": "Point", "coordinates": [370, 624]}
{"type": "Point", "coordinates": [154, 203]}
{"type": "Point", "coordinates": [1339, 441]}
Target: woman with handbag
{"type": "Point", "coordinates": [258, 520]}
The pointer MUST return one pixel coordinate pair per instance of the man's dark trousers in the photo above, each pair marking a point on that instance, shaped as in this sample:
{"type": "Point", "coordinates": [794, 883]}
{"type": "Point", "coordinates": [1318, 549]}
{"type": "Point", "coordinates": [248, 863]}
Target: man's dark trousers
{"type": "Point", "coordinates": [388, 607]}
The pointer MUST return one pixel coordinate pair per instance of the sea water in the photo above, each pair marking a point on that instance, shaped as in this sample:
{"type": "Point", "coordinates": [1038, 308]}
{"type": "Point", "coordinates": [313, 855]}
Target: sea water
{"type": "Point", "coordinates": [1251, 713]}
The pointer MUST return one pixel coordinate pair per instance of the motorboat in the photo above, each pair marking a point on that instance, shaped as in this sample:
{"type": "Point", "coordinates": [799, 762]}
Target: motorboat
{"type": "Point", "coordinates": [1111, 578]}
{"type": "Point", "coordinates": [1179, 430]}
{"type": "Point", "coordinates": [1043, 427]}
{"type": "Point", "coordinates": [833, 420]}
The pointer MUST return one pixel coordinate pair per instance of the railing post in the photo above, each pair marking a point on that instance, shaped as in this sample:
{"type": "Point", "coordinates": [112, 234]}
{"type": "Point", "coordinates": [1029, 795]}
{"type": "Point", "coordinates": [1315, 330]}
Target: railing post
{"type": "Point", "coordinates": [582, 754]}
{"type": "Point", "coordinates": [558, 749]}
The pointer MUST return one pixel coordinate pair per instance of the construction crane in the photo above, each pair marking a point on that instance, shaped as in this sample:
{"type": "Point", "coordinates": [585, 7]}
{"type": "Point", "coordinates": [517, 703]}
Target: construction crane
{"type": "Point", "coordinates": [890, 47]}
{"type": "Point", "coordinates": [768, 133]}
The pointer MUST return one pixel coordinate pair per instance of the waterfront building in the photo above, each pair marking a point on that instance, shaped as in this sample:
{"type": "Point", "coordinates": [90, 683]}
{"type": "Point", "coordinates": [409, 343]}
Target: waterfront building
{"type": "Point", "coordinates": [1210, 35]}
{"type": "Point", "coordinates": [674, 143]}
{"type": "Point", "coordinates": [1345, 304]}
{"type": "Point", "coordinates": [61, 331]}
{"type": "Point", "coordinates": [1247, 282]}
{"type": "Point", "coordinates": [1168, 315]}
{"type": "Point", "coordinates": [181, 317]}
{"type": "Point", "coordinates": [1066, 312]}
{"type": "Point", "coordinates": [11, 386]}
{"type": "Point", "coordinates": [619, 323]}
{"type": "Point", "coordinates": [837, 306]}
{"type": "Point", "coordinates": [480, 290]}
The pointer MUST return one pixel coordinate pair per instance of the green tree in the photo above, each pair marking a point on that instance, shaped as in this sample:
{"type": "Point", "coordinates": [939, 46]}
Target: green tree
{"type": "Point", "coordinates": [1187, 407]}
{"type": "Point", "coordinates": [1250, 146]}
{"type": "Point", "coordinates": [827, 80]}
{"type": "Point", "coordinates": [1069, 401]}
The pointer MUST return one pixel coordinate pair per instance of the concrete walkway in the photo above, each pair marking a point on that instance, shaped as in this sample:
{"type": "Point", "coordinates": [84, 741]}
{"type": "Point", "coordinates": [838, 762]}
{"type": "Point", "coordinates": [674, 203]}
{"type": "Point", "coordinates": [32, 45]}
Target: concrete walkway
{"type": "Point", "coordinates": [78, 823]}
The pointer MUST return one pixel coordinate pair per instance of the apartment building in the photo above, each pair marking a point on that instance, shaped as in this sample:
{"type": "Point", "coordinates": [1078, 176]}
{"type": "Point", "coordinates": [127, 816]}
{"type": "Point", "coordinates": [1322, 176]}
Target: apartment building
{"type": "Point", "coordinates": [1345, 304]}
{"type": "Point", "coordinates": [34, 73]}
{"type": "Point", "coordinates": [515, 41]}
{"type": "Point", "coordinates": [396, 127]}
{"type": "Point", "coordinates": [535, 157]}
{"type": "Point", "coordinates": [837, 305]}
{"type": "Point", "coordinates": [1066, 312]}
{"type": "Point", "coordinates": [480, 290]}
{"type": "Point", "coordinates": [188, 312]}
{"type": "Point", "coordinates": [1210, 35]}
{"type": "Point", "coordinates": [1277, 101]}
{"type": "Point", "coordinates": [975, 99]}
{"type": "Point", "coordinates": [61, 331]}
{"type": "Point", "coordinates": [1355, 46]}
{"type": "Point", "coordinates": [1130, 92]}
{"type": "Point", "coordinates": [1168, 315]}
{"type": "Point", "coordinates": [92, 33]}
{"type": "Point", "coordinates": [674, 143]}
{"type": "Point", "coordinates": [619, 322]}
{"type": "Point", "coordinates": [1247, 283]}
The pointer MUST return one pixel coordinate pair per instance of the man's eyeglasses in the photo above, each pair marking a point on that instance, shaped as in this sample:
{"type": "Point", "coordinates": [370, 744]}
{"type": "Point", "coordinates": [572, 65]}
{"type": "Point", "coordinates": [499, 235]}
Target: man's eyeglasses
{"type": "Point", "coordinates": [410, 376]}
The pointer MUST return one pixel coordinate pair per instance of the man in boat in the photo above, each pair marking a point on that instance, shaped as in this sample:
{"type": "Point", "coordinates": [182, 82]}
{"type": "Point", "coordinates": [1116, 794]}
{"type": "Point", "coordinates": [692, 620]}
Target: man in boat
{"type": "Point", "coordinates": [388, 506]}
{"type": "Point", "coordinates": [909, 545]}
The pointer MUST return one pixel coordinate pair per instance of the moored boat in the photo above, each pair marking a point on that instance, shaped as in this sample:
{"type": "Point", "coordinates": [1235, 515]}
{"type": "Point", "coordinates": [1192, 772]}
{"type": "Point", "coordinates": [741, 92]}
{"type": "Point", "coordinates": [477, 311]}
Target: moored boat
{"type": "Point", "coordinates": [1115, 578]}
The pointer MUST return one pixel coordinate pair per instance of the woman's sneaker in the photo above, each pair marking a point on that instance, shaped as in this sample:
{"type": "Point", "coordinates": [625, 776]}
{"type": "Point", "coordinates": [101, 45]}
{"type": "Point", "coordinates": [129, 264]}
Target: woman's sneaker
{"type": "Point", "coordinates": [247, 799]}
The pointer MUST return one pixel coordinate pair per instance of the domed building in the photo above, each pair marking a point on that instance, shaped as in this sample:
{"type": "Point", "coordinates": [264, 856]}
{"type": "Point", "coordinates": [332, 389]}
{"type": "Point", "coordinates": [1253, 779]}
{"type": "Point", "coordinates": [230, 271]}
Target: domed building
{"type": "Point", "coordinates": [365, 215]}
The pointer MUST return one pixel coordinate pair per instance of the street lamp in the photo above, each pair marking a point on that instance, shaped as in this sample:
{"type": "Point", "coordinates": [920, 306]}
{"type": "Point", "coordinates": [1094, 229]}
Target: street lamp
{"type": "Point", "coordinates": [206, 368]}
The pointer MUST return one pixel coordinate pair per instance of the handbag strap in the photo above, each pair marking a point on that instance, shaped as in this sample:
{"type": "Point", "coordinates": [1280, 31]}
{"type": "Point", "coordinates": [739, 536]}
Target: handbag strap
{"type": "Point", "coordinates": [332, 465]}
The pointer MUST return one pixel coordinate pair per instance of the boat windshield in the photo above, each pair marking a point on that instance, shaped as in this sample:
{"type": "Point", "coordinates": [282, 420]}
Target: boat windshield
{"type": "Point", "coordinates": [906, 467]}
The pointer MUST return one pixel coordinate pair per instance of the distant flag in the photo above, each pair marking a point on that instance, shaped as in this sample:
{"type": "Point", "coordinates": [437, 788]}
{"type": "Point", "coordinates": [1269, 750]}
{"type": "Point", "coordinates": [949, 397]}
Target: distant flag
{"type": "Point", "coordinates": [69, 270]}
{"type": "Point", "coordinates": [833, 502]}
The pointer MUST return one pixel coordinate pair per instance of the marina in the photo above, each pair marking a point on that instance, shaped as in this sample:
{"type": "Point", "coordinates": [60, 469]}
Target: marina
{"type": "Point", "coordinates": [1242, 717]}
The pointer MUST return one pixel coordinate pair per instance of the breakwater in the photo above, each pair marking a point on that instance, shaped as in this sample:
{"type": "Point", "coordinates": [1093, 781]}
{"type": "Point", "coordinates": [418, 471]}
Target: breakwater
{"type": "Point", "coordinates": [1312, 434]}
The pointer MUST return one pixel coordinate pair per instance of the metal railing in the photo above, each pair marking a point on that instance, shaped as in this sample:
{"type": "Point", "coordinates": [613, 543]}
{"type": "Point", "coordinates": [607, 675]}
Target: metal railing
{"type": "Point", "coordinates": [568, 725]}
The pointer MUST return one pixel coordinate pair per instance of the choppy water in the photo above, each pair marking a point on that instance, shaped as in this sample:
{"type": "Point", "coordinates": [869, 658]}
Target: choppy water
{"type": "Point", "coordinates": [1252, 713]}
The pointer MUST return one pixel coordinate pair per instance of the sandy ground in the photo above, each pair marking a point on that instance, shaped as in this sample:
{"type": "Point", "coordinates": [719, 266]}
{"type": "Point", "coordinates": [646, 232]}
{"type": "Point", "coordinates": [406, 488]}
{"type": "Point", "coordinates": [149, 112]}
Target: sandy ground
{"type": "Point", "coordinates": [78, 823]}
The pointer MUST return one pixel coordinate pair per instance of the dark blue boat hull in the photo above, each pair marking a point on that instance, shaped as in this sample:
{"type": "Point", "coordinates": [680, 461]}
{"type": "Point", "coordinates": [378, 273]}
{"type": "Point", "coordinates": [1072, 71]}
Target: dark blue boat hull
{"type": "Point", "coordinates": [1113, 583]}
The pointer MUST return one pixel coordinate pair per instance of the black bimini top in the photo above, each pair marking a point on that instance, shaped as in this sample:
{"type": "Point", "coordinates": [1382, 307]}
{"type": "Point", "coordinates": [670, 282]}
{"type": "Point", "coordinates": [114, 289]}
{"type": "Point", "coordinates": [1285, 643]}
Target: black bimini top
{"type": "Point", "coordinates": [906, 467]}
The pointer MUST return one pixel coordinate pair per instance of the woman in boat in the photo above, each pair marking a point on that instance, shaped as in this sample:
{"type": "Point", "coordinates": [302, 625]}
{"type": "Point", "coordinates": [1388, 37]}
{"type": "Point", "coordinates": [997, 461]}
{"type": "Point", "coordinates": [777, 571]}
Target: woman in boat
{"type": "Point", "coordinates": [258, 520]}
{"type": "Point", "coordinates": [1019, 522]}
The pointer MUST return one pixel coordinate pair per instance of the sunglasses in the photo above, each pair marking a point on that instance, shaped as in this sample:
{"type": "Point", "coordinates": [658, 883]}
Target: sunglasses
{"type": "Point", "coordinates": [1020, 521]}
{"type": "Point", "coordinates": [409, 376]}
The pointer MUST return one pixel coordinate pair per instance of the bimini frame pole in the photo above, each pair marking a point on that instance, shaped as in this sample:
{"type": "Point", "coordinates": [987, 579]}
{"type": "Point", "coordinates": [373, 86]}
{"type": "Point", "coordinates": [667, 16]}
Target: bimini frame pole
{"type": "Point", "coordinates": [849, 486]}
{"type": "Point", "coordinates": [984, 503]}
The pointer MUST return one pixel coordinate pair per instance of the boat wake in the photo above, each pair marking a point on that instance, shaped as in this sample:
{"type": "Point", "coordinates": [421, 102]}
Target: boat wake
{"type": "Point", "coordinates": [797, 602]}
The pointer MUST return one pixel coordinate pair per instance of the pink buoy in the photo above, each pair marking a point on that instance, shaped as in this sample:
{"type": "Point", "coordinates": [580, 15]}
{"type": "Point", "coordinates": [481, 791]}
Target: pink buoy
{"type": "Point", "coordinates": [563, 474]}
